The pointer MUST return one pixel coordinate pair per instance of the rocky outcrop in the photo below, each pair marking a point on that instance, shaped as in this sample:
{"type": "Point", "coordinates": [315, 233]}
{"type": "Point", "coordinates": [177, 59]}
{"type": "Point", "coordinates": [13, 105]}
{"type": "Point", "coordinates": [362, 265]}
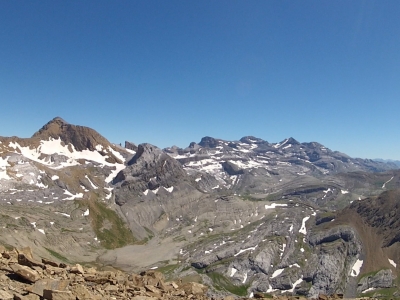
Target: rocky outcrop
{"type": "Point", "coordinates": [381, 279]}
{"type": "Point", "coordinates": [208, 142]}
{"type": "Point", "coordinates": [231, 168]}
{"type": "Point", "coordinates": [149, 169]}
{"type": "Point", "coordinates": [336, 251]}
{"type": "Point", "coordinates": [151, 187]}
{"type": "Point", "coordinates": [131, 146]}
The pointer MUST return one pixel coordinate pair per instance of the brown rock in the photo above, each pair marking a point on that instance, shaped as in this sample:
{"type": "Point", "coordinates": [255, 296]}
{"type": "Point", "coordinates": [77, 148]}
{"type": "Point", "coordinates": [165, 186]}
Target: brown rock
{"type": "Point", "coordinates": [77, 269]}
{"type": "Point", "coordinates": [194, 288]}
{"type": "Point", "coordinates": [152, 289]}
{"type": "Point", "coordinates": [58, 295]}
{"type": "Point", "coordinates": [27, 261]}
{"type": "Point", "coordinates": [180, 293]}
{"type": "Point", "coordinates": [91, 271]}
{"type": "Point", "coordinates": [6, 295]}
{"type": "Point", "coordinates": [62, 265]}
{"type": "Point", "coordinates": [50, 263]}
{"type": "Point", "coordinates": [229, 298]}
{"type": "Point", "coordinates": [81, 292]}
{"type": "Point", "coordinates": [258, 295]}
{"type": "Point", "coordinates": [54, 270]}
{"type": "Point", "coordinates": [174, 285]}
{"type": "Point", "coordinates": [27, 297]}
{"type": "Point", "coordinates": [96, 279]}
{"type": "Point", "coordinates": [111, 288]}
{"type": "Point", "coordinates": [322, 297]}
{"type": "Point", "coordinates": [25, 272]}
{"type": "Point", "coordinates": [47, 284]}
{"type": "Point", "coordinates": [25, 251]}
{"type": "Point", "coordinates": [152, 277]}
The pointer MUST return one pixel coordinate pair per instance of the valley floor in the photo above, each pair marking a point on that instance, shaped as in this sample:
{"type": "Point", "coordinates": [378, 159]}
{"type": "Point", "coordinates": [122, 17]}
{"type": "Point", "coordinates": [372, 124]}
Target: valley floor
{"type": "Point", "coordinates": [134, 258]}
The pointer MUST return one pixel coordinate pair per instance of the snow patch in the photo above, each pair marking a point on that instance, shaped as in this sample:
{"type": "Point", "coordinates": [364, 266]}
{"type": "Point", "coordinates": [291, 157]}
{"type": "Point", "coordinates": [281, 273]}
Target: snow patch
{"type": "Point", "coordinates": [356, 268]}
{"type": "Point", "coordinates": [91, 183]}
{"type": "Point", "coordinates": [384, 185]}
{"type": "Point", "coordinates": [63, 214]}
{"type": "Point", "coordinates": [303, 228]}
{"type": "Point", "coordinates": [294, 284]}
{"type": "Point", "coordinates": [244, 278]}
{"type": "Point", "coordinates": [392, 263]}
{"type": "Point", "coordinates": [368, 290]}
{"type": "Point", "coordinates": [274, 205]}
{"type": "Point", "coordinates": [170, 189]}
{"type": "Point", "coordinates": [277, 273]}
{"type": "Point", "coordinates": [247, 249]}
{"type": "Point", "coordinates": [72, 197]}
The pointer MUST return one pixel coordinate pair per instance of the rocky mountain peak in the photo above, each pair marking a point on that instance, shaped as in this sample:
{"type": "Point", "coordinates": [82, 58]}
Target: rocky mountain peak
{"type": "Point", "coordinates": [192, 145]}
{"type": "Point", "coordinates": [251, 139]}
{"type": "Point", "coordinates": [131, 146]}
{"type": "Point", "coordinates": [83, 138]}
{"type": "Point", "coordinates": [146, 152]}
{"type": "Point", "coordinates": [208, 142]}
{"type": "Point", "coordinates": [293, 141]}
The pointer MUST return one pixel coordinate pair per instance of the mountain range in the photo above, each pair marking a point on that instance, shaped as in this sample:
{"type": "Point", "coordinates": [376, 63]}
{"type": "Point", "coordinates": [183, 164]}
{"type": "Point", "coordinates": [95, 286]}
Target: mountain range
{"type": "Point", "coordinates": [242, 217]}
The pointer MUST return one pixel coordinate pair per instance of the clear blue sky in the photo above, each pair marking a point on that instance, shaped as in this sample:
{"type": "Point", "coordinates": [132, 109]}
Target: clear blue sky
{"type": "Point", "coordinates": [171, 72]}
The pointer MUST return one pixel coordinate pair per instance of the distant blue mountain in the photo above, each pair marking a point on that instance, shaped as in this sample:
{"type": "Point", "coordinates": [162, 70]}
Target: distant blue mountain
{"type": "Point", "coordinates": [397, 162]}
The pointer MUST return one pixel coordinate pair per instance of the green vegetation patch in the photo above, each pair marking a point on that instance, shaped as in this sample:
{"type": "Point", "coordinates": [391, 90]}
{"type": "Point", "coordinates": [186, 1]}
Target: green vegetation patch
{"type": "Point", "coordinates": [221, 283]}
{"type": "Point", "coordinates": [168, 270]}
{"type": "Point", "coordinates": [57, 255]}
{"type": "Point", "coordinates": [108, 226]}
{"type": "Point", "coordinates": [381, 293]}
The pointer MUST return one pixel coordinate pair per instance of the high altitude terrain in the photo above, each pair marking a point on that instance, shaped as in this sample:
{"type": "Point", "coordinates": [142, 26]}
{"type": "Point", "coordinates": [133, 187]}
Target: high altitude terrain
{"type": "Point", "coordinates": [240, 216]}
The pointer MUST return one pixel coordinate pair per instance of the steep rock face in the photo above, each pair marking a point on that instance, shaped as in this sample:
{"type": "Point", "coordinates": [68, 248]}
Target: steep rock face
{"type": "Point", "coordinates": [336, 251]}
{"type": "Point", "coordinates": [131, 146]}
{"type": "Point", "coordinates": [382, 213]}
{"type": "Point", "coordinates": [149, 169]}
{"type": "Point", "coordinates": [150, 187]}
{"type": "Point", "coordinates": [231, 168]}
